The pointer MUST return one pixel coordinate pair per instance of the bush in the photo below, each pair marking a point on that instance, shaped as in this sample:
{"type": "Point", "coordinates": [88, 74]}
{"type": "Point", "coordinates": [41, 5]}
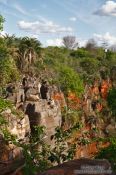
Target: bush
{"type": "Point", "coordinates": [8, 71]}
{"type": "Point", "coordinates": [89, 65]}
{"type": "Point", "coordinates": [80, 53]}
{"type": "Point", "coordinates": [112, 100]}
{"type": "Point", "coordinates": [70, 81]}
{"type": "Point", "coordinates": [109, 153]}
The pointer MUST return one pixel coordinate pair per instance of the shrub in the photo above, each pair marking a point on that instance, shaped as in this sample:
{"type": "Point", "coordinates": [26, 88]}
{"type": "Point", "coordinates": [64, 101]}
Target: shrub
{"type": "Point", "coordinates": [112, 100]}
{"type": "Point", "coordinates": [70, 81]}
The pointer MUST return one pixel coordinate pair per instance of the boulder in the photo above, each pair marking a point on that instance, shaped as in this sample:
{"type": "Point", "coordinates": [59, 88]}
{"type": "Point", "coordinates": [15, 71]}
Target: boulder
{"type": "Point", "coordinates": [81, 167]}
{"type": "Point", "coordinates": [9, 167]}
{"type": "Point", "coordinates": [17, 124]}
{"type": "Point", "coordinates": [43, 114]}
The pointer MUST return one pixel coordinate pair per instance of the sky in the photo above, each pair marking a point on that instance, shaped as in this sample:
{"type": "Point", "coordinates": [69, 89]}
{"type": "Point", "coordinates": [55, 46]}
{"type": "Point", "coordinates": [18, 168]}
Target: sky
{"type": "Point", "coordinates": [50, 20]}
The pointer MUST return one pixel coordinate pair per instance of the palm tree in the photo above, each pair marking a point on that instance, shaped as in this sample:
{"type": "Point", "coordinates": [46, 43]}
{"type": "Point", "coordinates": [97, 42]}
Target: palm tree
{"type": "Point", "coordinates": [28, 51]}
{"type": "Point", "coordinates": [11, 43]}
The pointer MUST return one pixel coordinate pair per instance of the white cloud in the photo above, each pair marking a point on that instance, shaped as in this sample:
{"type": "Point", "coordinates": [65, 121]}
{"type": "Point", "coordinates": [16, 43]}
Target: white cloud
{"type": "Point", "coordinates": [73, 19]}
{"type": "Point", "coordinates": [2, 34]}
{"type": "Point", "coordinates": [107, 37]}
{"type": "Point", "coordinates": [100, 39]}
{"type": "Point", "coordinates": [19, 9]}
{"type": "Point", "coordinates": [14, 6]}
{"type": "Point", "coordinates": [54, 42]}
{"type": "Point", "coordinates": [42, 26]}
{"type": "Point", "coordinates": [108, 9]}
{"type": "Point", "coordinates": [82, 42]}
{"type": "Point", "coordinates": [59, 42]}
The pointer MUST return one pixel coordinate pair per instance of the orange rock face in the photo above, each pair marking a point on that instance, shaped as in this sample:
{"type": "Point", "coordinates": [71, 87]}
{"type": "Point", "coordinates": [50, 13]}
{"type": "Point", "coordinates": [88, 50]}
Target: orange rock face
{"type": "Point", "coordinates": [60, 98]}
{"type": "Point", "coordinates": [73, 101]}
{"type": "Point", "coordinates": [105, 86]}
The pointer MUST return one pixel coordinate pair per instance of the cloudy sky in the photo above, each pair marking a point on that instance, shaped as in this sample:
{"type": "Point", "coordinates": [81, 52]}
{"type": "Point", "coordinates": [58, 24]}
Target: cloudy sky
{"type": "Point", "coordinates": [50, 20]}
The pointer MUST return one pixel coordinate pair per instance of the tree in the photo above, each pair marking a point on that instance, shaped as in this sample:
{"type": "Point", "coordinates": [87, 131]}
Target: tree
{"type": "Point", "coordinates": [8, 71]}
{"type": "Point", "coordinates": [1, 22]}
{"type": "Point", "coordinates": [90, 65]}
{"type": "Point", "coordinates": [70, 42]}
{"type": "Point", "coordinates": [70, 81]}
{"type": "Point", "coordinates": [91, 44]}
{"type": "Point", "coordinates": [80, 53]}
{"type": "Point", "coordinates": [28, 50]}
{"type": "Point", "coordinates": [12, 42]}
{"type": "Point", "coordinates": [112, 100]}
{"type": "Point", "coordinates": [109, 153]}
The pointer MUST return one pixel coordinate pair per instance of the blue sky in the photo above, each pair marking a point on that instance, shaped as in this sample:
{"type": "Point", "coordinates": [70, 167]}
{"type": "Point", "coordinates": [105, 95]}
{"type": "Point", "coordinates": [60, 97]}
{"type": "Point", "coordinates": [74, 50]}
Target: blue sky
{"type": "Point", "coordinates": [50, 20]}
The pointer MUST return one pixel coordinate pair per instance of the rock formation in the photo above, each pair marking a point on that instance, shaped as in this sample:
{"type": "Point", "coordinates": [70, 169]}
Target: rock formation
{"type": "Point", "coordinates": [81, 166]}
{"type": "Point", "coordinates": [10, 155]}
{"type": "Point", "coordinates": [18, 126]}
{"type": "Point", "coordinates": [43, 114]}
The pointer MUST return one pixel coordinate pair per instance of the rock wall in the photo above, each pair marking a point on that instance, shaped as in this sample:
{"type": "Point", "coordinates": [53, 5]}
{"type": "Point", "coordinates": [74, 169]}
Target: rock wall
{"type": "Point", "coordinates": [18, 125]}
{"type": "Point", "coordinates": [43, 114]}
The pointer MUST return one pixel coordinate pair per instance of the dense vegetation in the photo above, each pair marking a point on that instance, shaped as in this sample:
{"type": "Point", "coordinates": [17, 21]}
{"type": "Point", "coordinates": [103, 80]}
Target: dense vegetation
{"type": "Point", "coordinates": [70, 70]}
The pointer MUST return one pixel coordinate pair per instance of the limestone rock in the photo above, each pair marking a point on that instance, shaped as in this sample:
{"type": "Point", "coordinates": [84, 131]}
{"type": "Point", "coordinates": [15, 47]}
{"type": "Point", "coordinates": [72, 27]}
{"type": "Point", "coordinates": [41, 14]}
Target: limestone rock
{"type": "Point", "coordinates": [32, 97]}
{"type": "Point", "coordinates": [43, 114]}
{"type": "Point", "coordinates": [18, 126]}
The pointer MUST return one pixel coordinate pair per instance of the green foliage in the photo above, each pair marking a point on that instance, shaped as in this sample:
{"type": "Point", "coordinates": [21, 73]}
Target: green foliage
{"type": "Point", "coordinates": [70, 81]}
{"type": "Point", "coordinates": [8, 71]}
{"type": "Point", "coordinates": [109, 153]}
{"type": "Point", "coordinates": [80, 53]}
{"type": "Point", "coordinates": [89, 65]}
{"type": "Point", "coordinates": [112, 100]}
{"type": "Point", "coordinates": [3, 49]}
{"type": "Point", "coordinates": [38, 155]}
{"type": "Point", "coordinates": [29, 43]}
{"type": "Point", "coordinates": [27, 53]}
{"type": "Point", "coordinates": [4, 104]}
{"type": "Point", "coordinates": [56, 56]}
{"type": "Point", "coordinates": [71, 117]}
{"type": "Point", "coordinates": [62, 151]}
{"type": "Point", "coordinates": [2, 20]}
{"type": "Point", "coordinates": [66, 68]}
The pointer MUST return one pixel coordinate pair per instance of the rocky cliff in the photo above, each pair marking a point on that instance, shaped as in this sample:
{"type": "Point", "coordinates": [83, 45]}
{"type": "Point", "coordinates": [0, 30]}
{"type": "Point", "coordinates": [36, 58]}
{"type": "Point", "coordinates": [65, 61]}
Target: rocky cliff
{"type": "Point", "coordinates": [48, 113]}
{"type": "Point", "coordinates": [17, 125]}
{"type": "Point", "coordinates": [43, 114]}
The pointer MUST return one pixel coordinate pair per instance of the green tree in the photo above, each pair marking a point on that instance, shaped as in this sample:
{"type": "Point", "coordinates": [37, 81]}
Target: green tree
{"type": "Point", "coordinates": [28, 51]}
{"type": "Point", "coordinates": [80, 53]}
{"type": "Point", "coordinates": [109, 153]}
{"type": "Point", "coordinates": [112, 100]}
{"type": "Point", "coordinates": [8, 71]}
{"type": "Point", "coordinates": [70, 81]}
{"type": "Point", "coordinates": [89, 65]}
{"type": "Point", "coordinates": [2, 20]}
